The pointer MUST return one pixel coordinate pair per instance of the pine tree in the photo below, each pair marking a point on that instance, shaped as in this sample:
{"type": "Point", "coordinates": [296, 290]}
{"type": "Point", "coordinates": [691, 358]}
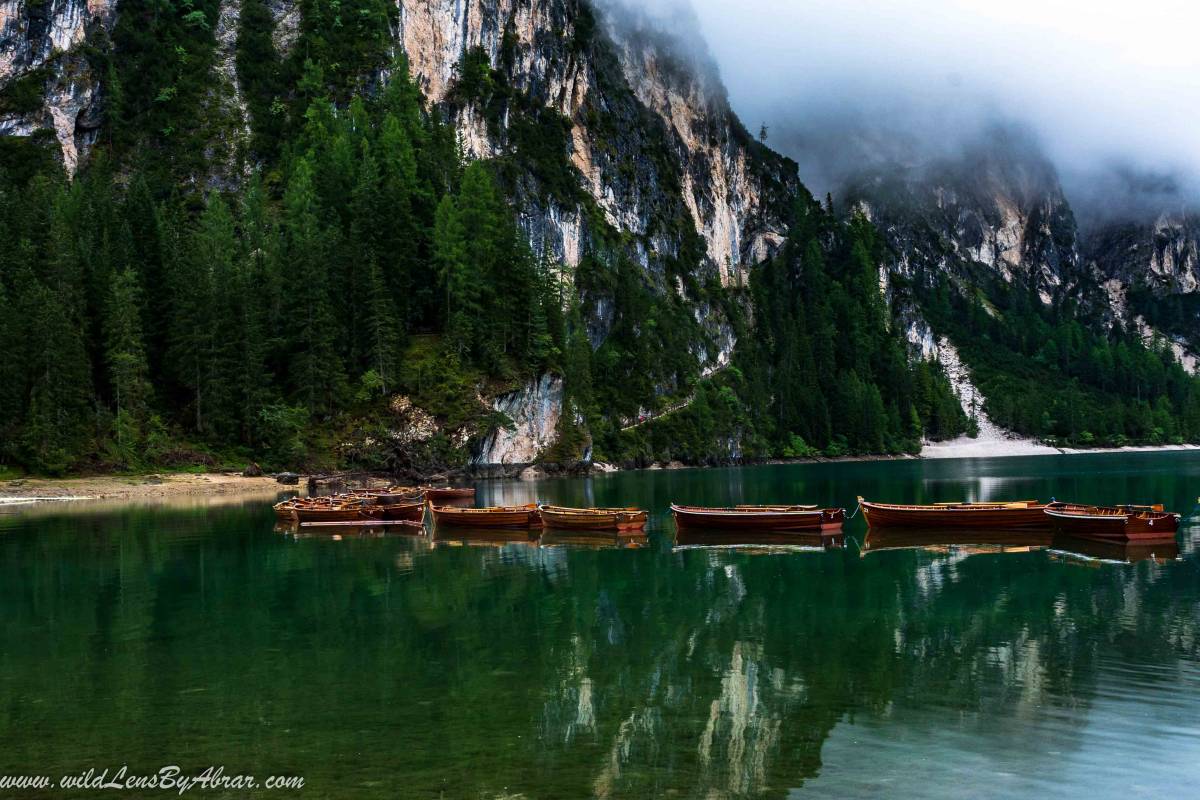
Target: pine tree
{"type": "Point", "coordinates": [125, 358]}
{"type": "Point", "coordinates": [316, 371]}
{"type": "Point", "coordinates": [455, 275]}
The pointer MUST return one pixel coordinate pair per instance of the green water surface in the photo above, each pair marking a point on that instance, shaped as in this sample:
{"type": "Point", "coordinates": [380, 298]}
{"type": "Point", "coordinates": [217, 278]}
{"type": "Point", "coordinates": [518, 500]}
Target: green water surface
{"type": "Point", "coordinates": [414, 666]}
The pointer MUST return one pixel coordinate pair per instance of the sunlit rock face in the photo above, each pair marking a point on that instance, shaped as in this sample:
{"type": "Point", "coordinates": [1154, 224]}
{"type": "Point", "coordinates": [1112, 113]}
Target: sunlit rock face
{"type": "Point", "coordinates": [535, 410]}
{"type": "Point", "coordinates": [42, 43]}
{"type": "Point", "coordinates": [610, 74]}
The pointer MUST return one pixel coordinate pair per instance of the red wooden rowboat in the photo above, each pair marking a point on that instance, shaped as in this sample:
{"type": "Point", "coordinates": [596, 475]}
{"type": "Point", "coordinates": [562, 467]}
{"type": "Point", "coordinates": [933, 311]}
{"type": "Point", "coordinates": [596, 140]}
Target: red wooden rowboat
{"type": "Point", "coordinates": [526, 516]}
{"type": "Point", "coordinates": [593, 519]}
{"type": "Point", "coordinates": [1013, 514]}
{"type": "Point", "coordinates": [404, 511]}
{"type": "Point", "coordinates": [393, 495]}
{"type": "Point", "coordinates": [760, 518]}
{"type": "Point", "coordinates": [1114, 523]}
{"type": "Point", "coordinates": [302, 511]}
{"type": "Point", "coordinates": [441, 494]}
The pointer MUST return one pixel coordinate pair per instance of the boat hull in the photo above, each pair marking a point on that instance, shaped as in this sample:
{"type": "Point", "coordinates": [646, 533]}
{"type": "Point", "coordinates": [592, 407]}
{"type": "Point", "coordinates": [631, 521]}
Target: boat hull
{"type": "Point", "coordinates": [448, 496]}
{"type": "Point", "coordinates": [511, 518]}
{"type": "Point", "coordinates": [1111, 525]}
{"type": "Point", "coordinates": [414, 512]}
{"type": "Point", "coordinates": [747, 519]}
{"type": "Point", "coordinates": [304, 516]}
{"type": "Point", "coordinates": [886, 515]}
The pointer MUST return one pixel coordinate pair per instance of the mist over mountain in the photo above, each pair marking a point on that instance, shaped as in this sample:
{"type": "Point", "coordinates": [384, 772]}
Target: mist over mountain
{"type": "Point", "coordinates": [1109, 93]}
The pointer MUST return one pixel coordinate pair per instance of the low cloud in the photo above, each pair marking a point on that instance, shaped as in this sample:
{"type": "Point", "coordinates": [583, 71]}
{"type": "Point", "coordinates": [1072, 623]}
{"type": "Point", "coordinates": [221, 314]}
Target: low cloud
{"type": "Point", "coordinates": [1110, 90]}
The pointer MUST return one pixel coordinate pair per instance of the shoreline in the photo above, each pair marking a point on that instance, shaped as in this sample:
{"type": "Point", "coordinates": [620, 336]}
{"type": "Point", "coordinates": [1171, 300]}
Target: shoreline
{"type": "Point", "coordinates": [33, 491]}
{"type": "Point", "coordinates": [24, 493]}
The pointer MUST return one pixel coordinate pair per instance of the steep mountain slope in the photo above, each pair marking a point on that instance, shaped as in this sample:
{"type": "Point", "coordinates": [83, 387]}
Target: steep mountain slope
{"type": "Point", "coordinates": [991, 229]}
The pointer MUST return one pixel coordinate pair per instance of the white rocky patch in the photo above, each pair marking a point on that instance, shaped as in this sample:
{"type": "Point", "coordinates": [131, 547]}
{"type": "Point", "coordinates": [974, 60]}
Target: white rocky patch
{"type": "Point", "coordinates": [992, 439]}
{"type": "Point", "coordinates": [535, 410]}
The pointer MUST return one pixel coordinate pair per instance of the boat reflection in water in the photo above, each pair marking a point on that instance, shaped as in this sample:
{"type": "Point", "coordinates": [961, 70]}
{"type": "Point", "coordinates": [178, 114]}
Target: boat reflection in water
{"type": "Point", "coordinates": [340, 531]}
{"type": "Point", "coordinates": [997, 542]}
{"type": "Point", "coordinates": [458, 536]}
{"type": "Point", "coordinates": [1073, 548]}
{"type": "Point", "coordinates": [595, 540]}
{"type": "Point", "coordinates": [964, 542]}
{"type": "Point", "coordinates": [764, 542]}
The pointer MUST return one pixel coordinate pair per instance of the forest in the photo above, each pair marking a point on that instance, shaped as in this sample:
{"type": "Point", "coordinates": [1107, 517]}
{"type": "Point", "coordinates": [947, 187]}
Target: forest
{"type": "Point", "coordinates": [1047, 373]}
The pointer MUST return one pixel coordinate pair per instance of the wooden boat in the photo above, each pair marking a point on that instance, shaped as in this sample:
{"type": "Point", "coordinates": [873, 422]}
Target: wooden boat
{"type": "Point", "coordinates": [970, 542]}
{"type": "Point", "coordinates": [967, 516]}
{"type": "Point", "coordinates": [753, 541]}
{"type": "Point", "coordinates": [414, 512]}
{"type": "Point", "coordinates": [526, 516]}
{"type": "Point", "coordinates": [392, 495]}
{"type": "Point", "coordinates": [305, 511]}
{"type": "Point", "coordinates": [764, 518]}
{"type": "Point", "coordinates": [442, 494]}
{"type": "Point", "coordinates": [593, 519]}
{"type": "Point", "coordinates": [1127, 523]}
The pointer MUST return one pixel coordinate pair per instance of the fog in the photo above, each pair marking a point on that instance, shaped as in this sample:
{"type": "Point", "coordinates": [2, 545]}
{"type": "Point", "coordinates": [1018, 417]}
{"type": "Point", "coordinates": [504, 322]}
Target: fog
{"type": "Point", "coordinates": [1111, 90]}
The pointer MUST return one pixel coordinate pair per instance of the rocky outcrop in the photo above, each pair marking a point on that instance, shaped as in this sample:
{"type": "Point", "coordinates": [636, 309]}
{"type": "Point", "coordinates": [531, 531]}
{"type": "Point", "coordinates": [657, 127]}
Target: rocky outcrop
{"type": "Point", "coordinates": [997, 212]}
{"type": "Point", "coordinates": [610, 74]}
{"type": "Point", "coordinates": [41, 43]}
{"type": "Point", "coordinates": [535, 410]}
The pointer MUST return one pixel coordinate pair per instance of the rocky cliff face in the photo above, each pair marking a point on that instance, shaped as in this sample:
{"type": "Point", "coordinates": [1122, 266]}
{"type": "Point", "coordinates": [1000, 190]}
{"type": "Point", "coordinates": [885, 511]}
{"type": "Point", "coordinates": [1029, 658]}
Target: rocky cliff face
{"type": "Point", "coordinates": [46, 79]}
{"type": "Point", "coordinates": [535, 410]}
{"type": "Point", "coordinates": [995, 212]}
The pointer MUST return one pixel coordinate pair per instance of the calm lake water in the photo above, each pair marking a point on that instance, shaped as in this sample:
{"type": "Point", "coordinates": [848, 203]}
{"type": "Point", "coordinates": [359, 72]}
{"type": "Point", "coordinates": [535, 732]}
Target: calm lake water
{"type": "Point", "coordinates": [415, 666]}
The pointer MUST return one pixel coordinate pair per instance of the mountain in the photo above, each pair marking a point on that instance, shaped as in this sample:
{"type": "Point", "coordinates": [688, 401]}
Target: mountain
{"type": "Point", "coordinates": [993, 224]}
{"type": "Point", "coordinates": [408, 236]}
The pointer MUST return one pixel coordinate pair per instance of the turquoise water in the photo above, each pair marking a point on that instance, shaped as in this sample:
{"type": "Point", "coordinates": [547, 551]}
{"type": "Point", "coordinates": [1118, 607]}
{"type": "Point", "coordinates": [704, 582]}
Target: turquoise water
{"type": "Point", "coordinates": [415, 666]}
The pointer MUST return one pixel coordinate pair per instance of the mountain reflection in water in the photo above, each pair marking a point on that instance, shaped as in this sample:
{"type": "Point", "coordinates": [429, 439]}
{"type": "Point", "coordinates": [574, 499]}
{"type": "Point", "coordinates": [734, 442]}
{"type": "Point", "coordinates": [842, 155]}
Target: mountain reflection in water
{"type": "Point", "coordinates": [516, 664]}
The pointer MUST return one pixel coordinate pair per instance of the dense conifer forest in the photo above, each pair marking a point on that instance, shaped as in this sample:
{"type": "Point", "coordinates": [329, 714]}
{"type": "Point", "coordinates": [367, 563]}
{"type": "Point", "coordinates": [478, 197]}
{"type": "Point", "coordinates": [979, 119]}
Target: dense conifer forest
{"type": "Point", "coordinates": [343, 273]}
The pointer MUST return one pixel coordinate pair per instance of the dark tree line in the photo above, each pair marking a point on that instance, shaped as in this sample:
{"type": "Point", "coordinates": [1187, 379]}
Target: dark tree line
{"type": "Point", "coordinates": [139, 321]}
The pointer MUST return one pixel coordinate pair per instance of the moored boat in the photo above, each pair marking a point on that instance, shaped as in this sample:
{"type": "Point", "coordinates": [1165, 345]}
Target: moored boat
{"type": "Point", "coordinates": [301, 511]}
{"type": "Point", "coordinates": [969, 516]}
{"type": "Point", "coordinates": [443, 494]}
{"type": "Point", "coordinates": [412, 511]}
{"type": "Point", "coordinates": [1128, 523]}
{"type": "Point", "coordinates": [526, 516]}
{"type": "Point", "coordinates": [593, 519]}
{"type": "Point", "coordinates": [393, 495]}
{"type": "Point", "coordinates": [764, 518]}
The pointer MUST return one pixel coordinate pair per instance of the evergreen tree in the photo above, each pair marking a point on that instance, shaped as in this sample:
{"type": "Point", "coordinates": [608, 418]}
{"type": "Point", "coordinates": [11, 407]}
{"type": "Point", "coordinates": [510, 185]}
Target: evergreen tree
{"type": "Point", "coordinates": [125, 359]}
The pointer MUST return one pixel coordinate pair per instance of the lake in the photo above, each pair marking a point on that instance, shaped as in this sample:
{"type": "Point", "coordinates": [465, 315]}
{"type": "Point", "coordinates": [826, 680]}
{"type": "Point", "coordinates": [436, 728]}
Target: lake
{"type": "Point", "coordinates": [429, 667]}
